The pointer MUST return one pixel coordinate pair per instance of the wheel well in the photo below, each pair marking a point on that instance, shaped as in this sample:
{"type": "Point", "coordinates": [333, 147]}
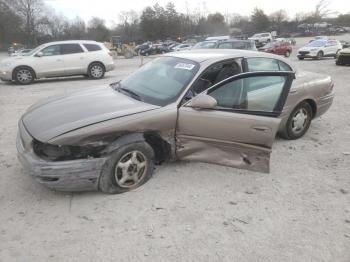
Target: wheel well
{"type": "Point", "coordinates": [97, 62]}
{"type": "Point", "coordinates": [162, 149]}
{"type": "Point", "coordinates": [22, 66]}
{"type": "Point", "coordinates": [313, 105]}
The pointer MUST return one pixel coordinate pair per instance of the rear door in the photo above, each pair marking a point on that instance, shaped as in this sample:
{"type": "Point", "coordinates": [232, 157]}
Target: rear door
{"type": "Point", "coordinates": [240, 130]}
{"type": "Point", "coordinates": [74, 58]}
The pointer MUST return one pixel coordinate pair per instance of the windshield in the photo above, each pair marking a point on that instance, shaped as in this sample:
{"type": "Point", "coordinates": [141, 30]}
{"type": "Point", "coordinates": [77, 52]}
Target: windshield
{"type": "Point", "coordinates": [162, 80]}
{"type": "Point", "coordinates": [270, 45]}
{"type": "Point", "coordinates": [317, 43]}
{"type": "Point", "coordinates": [34, 50]}
{"type": "Point", "coordinates": [205, 45]}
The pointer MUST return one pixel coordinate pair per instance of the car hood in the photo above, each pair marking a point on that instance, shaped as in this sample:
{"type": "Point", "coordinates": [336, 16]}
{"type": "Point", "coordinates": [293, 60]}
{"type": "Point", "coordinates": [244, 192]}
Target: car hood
{"type": "Point", "coordinates": [345, 51]}
{"type": "Point", "coordinates": [12, 59]}
{"type": "Point", "coordinates": [58, 115]}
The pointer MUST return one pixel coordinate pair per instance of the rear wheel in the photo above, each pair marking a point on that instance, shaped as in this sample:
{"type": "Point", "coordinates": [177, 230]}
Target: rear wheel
{"type": "Point", "coordinates": [127, 168]}
{"type": "Point", "coordinates": [287, 54]}
{"type": "Point", "coordinates": [23, 75]}
{"type": "Point", "coordinates": [301, 58]}
{"type": "Point", "coordinates": [96, 71]}
{"type": "Point", "coordinates": [298, 122]}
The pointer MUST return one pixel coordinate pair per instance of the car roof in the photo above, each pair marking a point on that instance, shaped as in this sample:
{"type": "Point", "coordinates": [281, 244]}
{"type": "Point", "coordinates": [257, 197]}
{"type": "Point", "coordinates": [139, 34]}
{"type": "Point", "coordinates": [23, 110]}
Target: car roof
{"type": "Point", "coordinates": [216, 55]}
{"type": "Point", "coordinates": [73, 42]}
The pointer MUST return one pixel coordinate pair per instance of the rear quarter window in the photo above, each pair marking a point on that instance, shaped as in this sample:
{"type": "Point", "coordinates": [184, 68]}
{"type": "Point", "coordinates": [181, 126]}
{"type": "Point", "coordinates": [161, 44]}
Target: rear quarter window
{"type": "Point", "coordinates": [266, 64]}
{"type": "Point", "coordinates": [92, 47]}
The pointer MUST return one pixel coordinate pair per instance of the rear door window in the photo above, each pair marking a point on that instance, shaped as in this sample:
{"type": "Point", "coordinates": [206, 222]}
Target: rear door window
{"type": "Point", "coordinates": [92, 47]}
{"type": "Point", "coordinates": [266, 64]}
{"type": "Point", "coordinates": [71, 49]}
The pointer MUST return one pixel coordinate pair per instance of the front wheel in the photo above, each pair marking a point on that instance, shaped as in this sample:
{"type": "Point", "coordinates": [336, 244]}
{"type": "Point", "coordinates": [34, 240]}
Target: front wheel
{"type": "Point", "coordinates": [301, 58]}
{"type": "Point", "coordinates": [298, 122]}
{"type": "Point", "coordinates": [127, 168]}
{"type": "Point", "coordinates": [319, 55]}
{"type": "Point", "coordinates": [287, 54]}
{"type": "Point", "coordinates": [23, 76]}
{"type": "Point", "coordinates": [96, 71]}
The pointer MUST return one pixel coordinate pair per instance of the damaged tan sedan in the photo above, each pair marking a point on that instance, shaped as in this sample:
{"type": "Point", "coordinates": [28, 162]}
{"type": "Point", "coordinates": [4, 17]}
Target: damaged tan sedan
{"type": "Point", "coordinates": [217, 106]}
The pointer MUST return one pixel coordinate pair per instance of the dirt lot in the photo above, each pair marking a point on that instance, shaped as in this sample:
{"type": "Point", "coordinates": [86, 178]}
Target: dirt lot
{"type": "Point", "coordinates": [188, 211]}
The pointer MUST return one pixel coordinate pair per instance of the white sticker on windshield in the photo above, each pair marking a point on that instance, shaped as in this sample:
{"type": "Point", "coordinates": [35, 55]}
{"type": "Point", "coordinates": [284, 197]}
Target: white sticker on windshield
{"type": "Point", "coordinates": [185, 66]}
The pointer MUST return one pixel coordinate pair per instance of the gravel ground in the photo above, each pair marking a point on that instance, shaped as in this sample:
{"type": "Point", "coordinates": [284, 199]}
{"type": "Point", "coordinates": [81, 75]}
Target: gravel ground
{"type": "Point", "coordinates": [187, 211]}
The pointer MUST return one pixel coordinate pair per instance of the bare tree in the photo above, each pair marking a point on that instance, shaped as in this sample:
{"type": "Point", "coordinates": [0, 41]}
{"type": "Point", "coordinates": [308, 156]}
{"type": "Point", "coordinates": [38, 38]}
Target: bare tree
{"type": "Point", "coordinates": [31, 12]}
{"type": "Point", "coordinates": [322, 9]}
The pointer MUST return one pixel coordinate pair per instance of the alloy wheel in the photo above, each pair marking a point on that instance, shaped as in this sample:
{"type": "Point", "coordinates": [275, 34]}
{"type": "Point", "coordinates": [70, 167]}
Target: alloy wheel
{"type": "Point", "coordinates": [96, 71]}
{"type": "Point", "coordinates": [300, 120]}
{"type": "Point", "coordinates": [131, 169]}
{"type": "Point", "coordinates": [24, 76]}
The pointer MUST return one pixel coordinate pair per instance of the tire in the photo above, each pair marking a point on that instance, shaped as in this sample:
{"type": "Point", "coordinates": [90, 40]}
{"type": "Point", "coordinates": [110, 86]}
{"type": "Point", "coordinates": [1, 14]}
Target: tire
{"type": "Point", "coordinates": [126, 163]}
{"type": "Point", "coordinates": [319, 55]}
{"type": "Point", "coordinates": [23, 75]}
{"type": "Point", "coordinates": [287, 54]}
{"type": "Point", "coordinates": [296, 126]}
{"type": "Point", "coordinates": [301, 58]}
{"type": "Point", "coordinates": [96, 71]}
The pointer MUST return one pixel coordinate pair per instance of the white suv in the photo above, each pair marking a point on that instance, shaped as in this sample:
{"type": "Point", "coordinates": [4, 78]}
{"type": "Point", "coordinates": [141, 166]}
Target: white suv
{"type": "Point", "coordinates": [65, 58]}
{"type": "Point", "coordinates": [261, 39]}
{"type": "Point", "coordinates": [320, 48]}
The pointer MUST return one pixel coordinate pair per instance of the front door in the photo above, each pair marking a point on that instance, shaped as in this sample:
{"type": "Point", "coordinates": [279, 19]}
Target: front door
{"type": "Point", "coordinates": [239, 131]}
{"type": "Point", "coordinates": [50, 63]}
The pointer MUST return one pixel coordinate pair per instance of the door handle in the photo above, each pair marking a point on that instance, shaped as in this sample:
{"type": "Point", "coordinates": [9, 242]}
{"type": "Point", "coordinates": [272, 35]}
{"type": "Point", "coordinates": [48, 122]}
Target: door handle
{"type": "Point", "coordinates": [293, 91]}
{"type": "Point", "coordinates": [262, 129]}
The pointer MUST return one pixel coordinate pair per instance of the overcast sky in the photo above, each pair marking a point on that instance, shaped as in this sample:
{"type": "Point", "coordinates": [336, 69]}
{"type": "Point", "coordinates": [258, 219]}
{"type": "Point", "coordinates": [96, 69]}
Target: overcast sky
{"type": "Point", "coordinates": [109, 9]}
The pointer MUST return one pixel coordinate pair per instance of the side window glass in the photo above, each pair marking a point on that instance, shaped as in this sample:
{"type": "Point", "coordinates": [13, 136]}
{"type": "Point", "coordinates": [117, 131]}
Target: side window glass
{"type": "Point", "coordinates": [51, 50]}
{"type": "Point", "coordinates": [259, 93]}
{"type": "Point", "coordinates": [262, 64]}
{"type": "Point", "coordinates": [284, 66]}
{"type": "Point", "coordinates": [71, 49]}
{"type": "Point", "coordinates": [92, 47]}
{"type": "Point", "coordinates": [225, 46]}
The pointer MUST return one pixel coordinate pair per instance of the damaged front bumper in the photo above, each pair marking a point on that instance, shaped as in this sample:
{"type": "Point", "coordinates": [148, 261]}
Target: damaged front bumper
{"type": "Point", "coordinates": [73, 175]}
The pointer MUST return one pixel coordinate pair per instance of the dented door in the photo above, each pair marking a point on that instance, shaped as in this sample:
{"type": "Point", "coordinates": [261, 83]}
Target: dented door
{"type": "Point", "coordinates": [240, 130]}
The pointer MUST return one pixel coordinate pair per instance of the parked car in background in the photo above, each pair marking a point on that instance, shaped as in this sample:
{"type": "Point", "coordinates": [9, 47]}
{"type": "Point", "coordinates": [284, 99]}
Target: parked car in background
{"type": "Point", "coordinates": [181, 47]}
{"type": "Point", "coordinates": [65, 58]}
{"type": "Point", "coordinates": [278, 47]}
{"type": "Point", "coordinates": [227, 44]}
{"type": "Point", "coordinates": [321, 37]}
{"type": "Point", "coordinates": [206, 45]}
{"type": "Point", "coordinates": [261, 39]}
{"type": "Point", "coordinates": [343, 57]}
{"type": "Point", "coordinates": [237, 44]}
{"type": "Point", "coordinates": [320, 48]}
{"type": "Point", "coordinates": [217, 106]}
{"type": "Point", "coordinates": [142, 47]}
{"type": "Point", "coordinates": [21, 52]}
{"type": "Point", "coordinates": [345, 44]}
{"type": "Point", "coordinates": [154, 49]}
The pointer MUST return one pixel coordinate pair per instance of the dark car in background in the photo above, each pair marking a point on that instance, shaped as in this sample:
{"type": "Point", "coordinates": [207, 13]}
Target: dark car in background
{"type": "Point", "coordinates": [154, 50]}
{"type": "Point", "coordinates": [278, 48]}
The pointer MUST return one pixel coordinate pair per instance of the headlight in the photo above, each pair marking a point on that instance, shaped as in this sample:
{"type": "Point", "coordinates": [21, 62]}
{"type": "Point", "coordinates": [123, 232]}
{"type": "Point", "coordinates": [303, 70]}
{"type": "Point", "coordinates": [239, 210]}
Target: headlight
{"type": "Point", "coordinates": [6, 64]}
{"type": "Point", "coordinates": [62, 153]}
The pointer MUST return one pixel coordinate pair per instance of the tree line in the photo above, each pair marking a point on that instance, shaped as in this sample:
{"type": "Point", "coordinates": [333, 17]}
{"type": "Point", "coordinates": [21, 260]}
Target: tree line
{"type": "Point", "coordinates": [32, 22]}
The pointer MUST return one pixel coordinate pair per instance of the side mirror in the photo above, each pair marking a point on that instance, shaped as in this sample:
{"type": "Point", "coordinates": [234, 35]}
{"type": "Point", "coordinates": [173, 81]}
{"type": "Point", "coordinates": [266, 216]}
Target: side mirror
{"type": "Point", "coordinates": [39, 54]}
{"type": "Point", "coordinates": [203, 102]}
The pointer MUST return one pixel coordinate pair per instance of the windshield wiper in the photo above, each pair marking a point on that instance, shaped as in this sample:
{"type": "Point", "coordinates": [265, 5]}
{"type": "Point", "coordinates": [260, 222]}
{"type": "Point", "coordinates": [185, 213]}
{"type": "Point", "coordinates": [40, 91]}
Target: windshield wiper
{"type": "Point", "coordinates": [117, 86]}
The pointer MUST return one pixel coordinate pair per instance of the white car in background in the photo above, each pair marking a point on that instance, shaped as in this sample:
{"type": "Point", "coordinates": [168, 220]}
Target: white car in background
{"type": "Point", "coordinates": [261, 38]}
{"type": "Point", "coordinates": [182, 47]}
{"type": "Point", "coordinates": [56, 59]}
{"type": "Point", "coordinates": [320, 48]}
